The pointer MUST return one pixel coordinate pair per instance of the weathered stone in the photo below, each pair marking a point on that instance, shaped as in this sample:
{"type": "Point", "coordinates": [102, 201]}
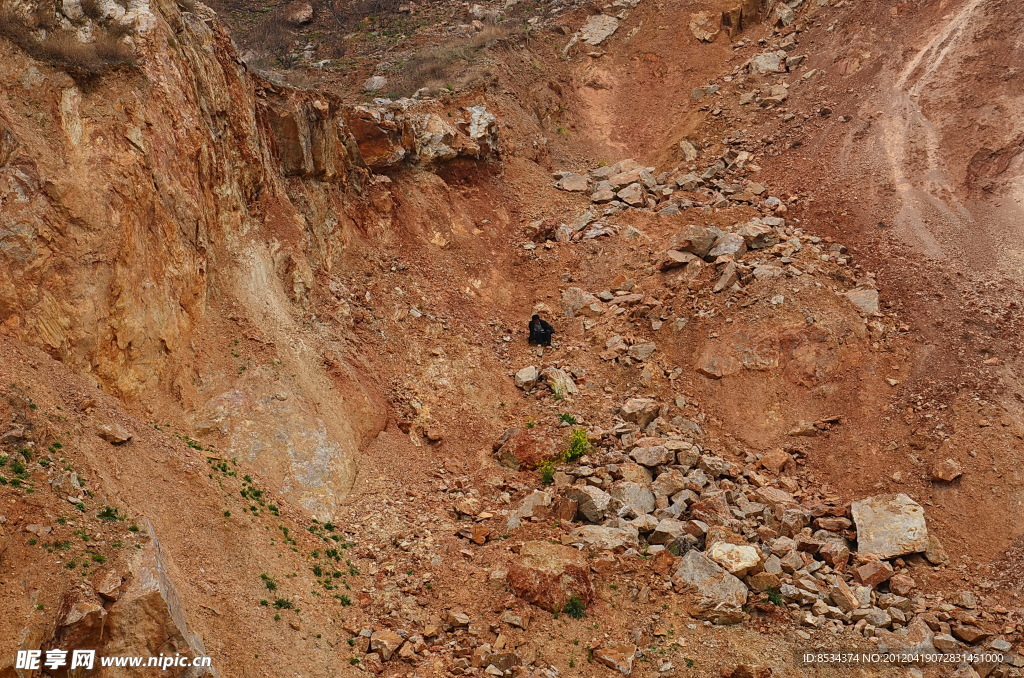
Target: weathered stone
{"type": "Point", "coordinates": [934, 553]}
{"type": "Point", "coordinates": [872, 573]}
{"type": "Point", "coordinates": [108, 584]}
{"type": "Point", "coordinates": [594, 503]}
{"type": "Point", "coordinates": [605, 538]}
{"type": "Point", "coordinates": [632, 195]}
{"type": "Point", "coordinates": [433, 139]}
{"type": "Point", "coordinates": [902, 584]}
{"type": "Point", "coordinates": [375, 83]}
{"type": "Point", "coordinates": [705, 25]}
{"type": "Point", "coordinates": [526, 448]}
{"type": "Point", "coordinates": [602, 193]}
{"type": "Point", "coordinates": [969, 634]}
{"type": "Point", "coordinates": [656, 455]}
{"type": "Point", "coordinates": [668, 483]}
{"type": "Point", "coordinates": [769, 62]}
{"type": "Point", "coordinates": [717, 596]}
{"type": "Point", "coordinates": [561, 384]}
{"type": "Point", "coordinates": [890, 525]}
{"type": "Point", "coordinates": [688, 149]}
{"type": "Point", "coordinates": [946, 471]}
{"type": "Point", "coordinates": [548, 575]}
{"type": "Point", "coordinates": [300, 13]}
{"type": "Point", "coordinates": [644, 524]}
{"type": "Point", "coordinates": [729, 277]}
{"type": "Point", "coordinates": [696, 240]}
{"type": "Point", "coordinates": [667, 531]}
{"type": "Point", "coordinates": [385, 643]}
{"type": "Point", "coordinates": [675, 259]}
{"type": "Point", "coordinates": [598, 28]}
{"type": "Point", "coordinates": [843, 596]}
{"type": "Point", "coordinates": [737, 559]}
{"type": "Point", "coordinates": [113, 433]}
{"type": "Point", "coordinates": [712, 510]}
{"type": "Point", "coordinates": [468, 506]}
{"type": "Point", "coordinates": [616, 657]}
{"type": "Point", "coordinates": [482, 129]}
{"type": "Point", "coordinates": [835, 554]}
{"type": "Point", "coordinates": [762, 581]}
{"type": "Point", "coordinates": [642, 351]}
{"type": "Point", "coordinates": [634, 495]}
{"type": "Point", "coordinates": [757, 236]}
{"type": "Point", "coordinates": [728, 244]}
{"type": "Point", "coordinates": [574, 300]}
{"type": "Point", "coordinates": [573, 183]}
{"type": "Point", "coordinates": [716, 362]}
{"type": "Point", "coordinates": [534, 505]}
{"type": "Point", "coordinates": [866, 300]}
{"type": "Point", "coordinates": [526, 378]}
{"type": "Point", "coordinates": [640, 411]}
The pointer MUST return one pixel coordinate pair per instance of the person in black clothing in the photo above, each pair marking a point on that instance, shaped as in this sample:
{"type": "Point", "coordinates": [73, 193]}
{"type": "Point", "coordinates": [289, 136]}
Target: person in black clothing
{"type": "Point", "coordinates": [540, 331]}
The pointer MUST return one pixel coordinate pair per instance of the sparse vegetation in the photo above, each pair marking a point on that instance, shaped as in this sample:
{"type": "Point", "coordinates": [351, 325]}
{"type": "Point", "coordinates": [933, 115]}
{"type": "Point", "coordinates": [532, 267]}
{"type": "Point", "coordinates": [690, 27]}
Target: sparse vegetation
{"type": "Point", "coordinates": [40, 36]}
{"type": "Point", "coordinates": [547, 472]}
{"type": "Point", "coordinates": [575, 607]}
{"type": "Point", "coordinates": [578, 445]}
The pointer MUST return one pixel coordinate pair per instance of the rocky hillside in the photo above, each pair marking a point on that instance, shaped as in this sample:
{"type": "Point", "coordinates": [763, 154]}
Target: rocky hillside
{"type": "Point", "coordinates": [267, 396]}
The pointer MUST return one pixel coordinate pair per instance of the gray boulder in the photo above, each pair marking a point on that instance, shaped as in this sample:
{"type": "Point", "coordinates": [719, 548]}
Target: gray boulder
{"type": "Point", "coordinates": [717, 596]}
{"type": "Point", "coordinates": [890, 525]}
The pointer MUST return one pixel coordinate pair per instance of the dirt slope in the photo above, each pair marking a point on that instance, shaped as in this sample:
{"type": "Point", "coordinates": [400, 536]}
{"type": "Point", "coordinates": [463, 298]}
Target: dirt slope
{"type": "Point", "coordinates": [308, 316]}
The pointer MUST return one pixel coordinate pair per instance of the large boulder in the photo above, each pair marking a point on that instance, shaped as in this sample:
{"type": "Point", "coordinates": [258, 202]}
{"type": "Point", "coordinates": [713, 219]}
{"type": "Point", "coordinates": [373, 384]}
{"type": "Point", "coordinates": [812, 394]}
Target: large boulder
{"type": "Point", "coordinates": [577, 301]}
{"type": "Point", "coordinates": [433, 139]}
{"type": "Point", "coordinates": [640, 411]}
{"type": "Point", "coordinates": [594, 503]}
{"type": "Point", "coordinates": [573, 183]}
{"type": "Point", "coordinates": [737, 559]}
{"type": "Point", "coordinates": [652, 455]}
{"type": "Point", "coordinates": [890, 525]}
{"type": "Point", "coordinates": [526, 378]}
{"type": "Point", "coordinates": [548, 575]}
{"type": "Point", "coordinates": [606, 538]}
{"type": "Point", "coordinates": [717, 596]}
{"type": "Point", "coordinates": [560, 383]}
{"type": "Point", "coordinates": [525, 449]}
{"type": "Point", "coordinates": [482, 129]}
{"type": "Point", "coordinates": [634, 495]}
{"type": "Point", "coordinates": [696, 240]}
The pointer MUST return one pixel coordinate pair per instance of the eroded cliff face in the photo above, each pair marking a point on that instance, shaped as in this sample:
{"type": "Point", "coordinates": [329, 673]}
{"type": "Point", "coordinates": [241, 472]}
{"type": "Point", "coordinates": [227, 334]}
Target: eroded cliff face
{"type": "Point", "coordinates": [153, 215]}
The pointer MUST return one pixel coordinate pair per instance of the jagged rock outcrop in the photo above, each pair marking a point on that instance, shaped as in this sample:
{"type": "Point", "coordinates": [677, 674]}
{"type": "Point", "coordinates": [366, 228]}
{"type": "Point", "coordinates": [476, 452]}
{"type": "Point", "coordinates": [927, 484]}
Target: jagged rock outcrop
{"type": "Point", "coordinates": [178, 198]}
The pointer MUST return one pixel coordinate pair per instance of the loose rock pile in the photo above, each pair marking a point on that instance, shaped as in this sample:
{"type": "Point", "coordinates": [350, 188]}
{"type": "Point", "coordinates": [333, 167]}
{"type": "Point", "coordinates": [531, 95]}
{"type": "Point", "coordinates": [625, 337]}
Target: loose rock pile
{"type": "Point", "coordinates": [730, 533]}
{"type": "Point", "coordinates": [626, 184]}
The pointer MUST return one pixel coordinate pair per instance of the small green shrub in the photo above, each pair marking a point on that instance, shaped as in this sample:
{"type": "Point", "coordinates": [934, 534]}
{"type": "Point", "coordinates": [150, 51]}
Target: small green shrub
{"type": "Point", "coordinates": [579, 445]}
{"type": "Point", "coordinates": [575, 608]}
{"type": "Point", "coordinates": [547, 472]}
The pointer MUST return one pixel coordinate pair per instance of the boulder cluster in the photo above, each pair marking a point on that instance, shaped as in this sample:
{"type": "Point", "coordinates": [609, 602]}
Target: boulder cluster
{"type": "Point", "coordinates": [732, 533]}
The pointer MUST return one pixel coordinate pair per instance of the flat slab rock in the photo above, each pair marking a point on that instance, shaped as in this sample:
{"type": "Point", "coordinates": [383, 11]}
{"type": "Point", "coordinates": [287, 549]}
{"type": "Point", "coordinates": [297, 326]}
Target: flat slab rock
{"type": "Point", "coordinates": [598, 29]}
{"type": "Point", "coordinates": [890, 525]}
